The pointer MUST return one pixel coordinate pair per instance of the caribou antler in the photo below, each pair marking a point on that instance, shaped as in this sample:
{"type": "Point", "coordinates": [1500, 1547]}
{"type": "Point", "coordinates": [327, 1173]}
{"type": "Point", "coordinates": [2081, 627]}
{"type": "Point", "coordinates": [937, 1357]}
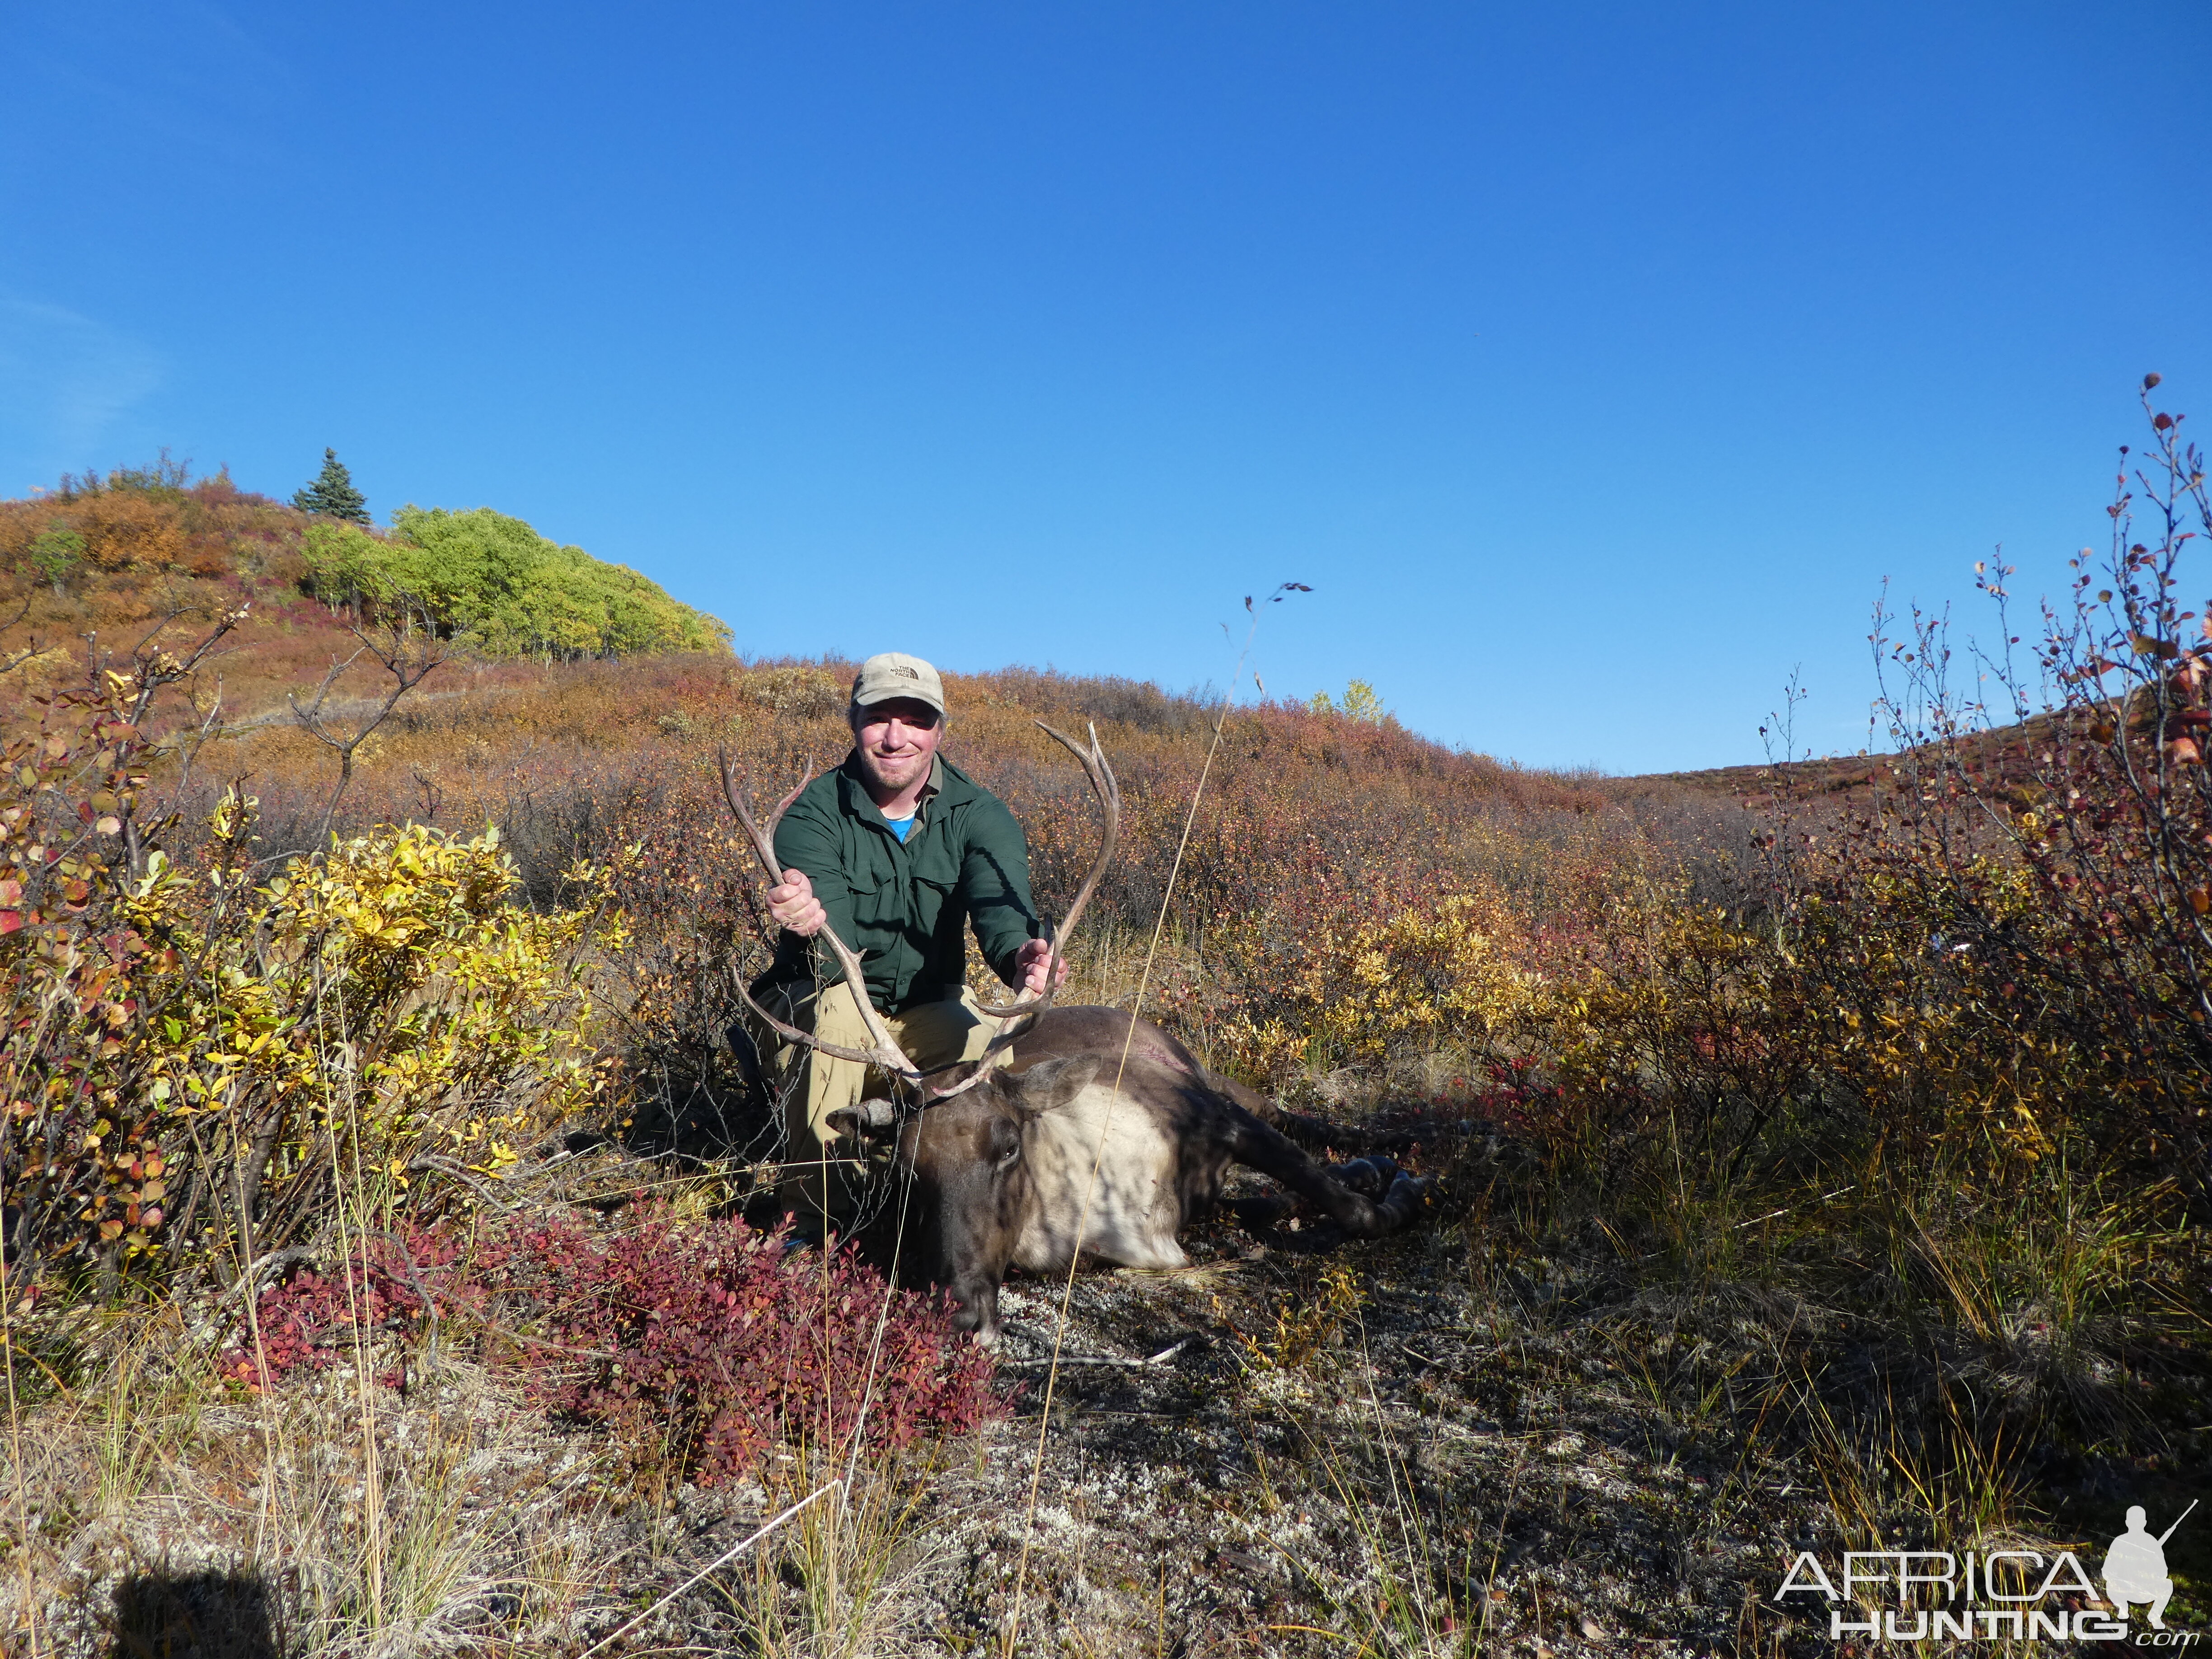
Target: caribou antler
{"type": "Point", "coordinates": [1109, 802]}
{"type": "Point", "coordinates": [885, 1051]}
{"type": "Point", "coordinates": [1010, 1014]}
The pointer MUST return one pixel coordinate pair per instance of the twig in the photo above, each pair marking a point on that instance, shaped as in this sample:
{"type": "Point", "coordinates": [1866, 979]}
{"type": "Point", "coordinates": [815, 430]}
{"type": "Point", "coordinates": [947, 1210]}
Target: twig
{"type": "Point", "coordinates": [445, 1166]}
{"type": "Point", "coordinates": [715, 1565]}
{"type": "Point", "coordinates": [15, 660]}
{"type": "Point", "coordinates": [278, 1260]}
{"type": "Point", "coordinates": [1114, 1361]}
{"type": "Point", "coordinates": [409, 667]}
{"type": "Point", "coordinates": [414, 1276]}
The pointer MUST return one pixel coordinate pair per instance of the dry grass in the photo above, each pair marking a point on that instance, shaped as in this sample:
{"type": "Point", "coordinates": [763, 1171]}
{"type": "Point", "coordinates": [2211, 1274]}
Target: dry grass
{"type": "Point", "coordinates": [1558, 1408]}
{"type": "Point", "coordinates": [160, 1499]}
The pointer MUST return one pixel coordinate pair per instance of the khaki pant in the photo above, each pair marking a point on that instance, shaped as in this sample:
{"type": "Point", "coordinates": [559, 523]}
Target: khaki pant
{"type": "Point", "coordinates": [820, 1177]}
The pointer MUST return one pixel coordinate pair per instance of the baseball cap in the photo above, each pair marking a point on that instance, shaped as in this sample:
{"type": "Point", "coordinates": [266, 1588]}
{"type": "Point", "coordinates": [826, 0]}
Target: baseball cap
{"type": "Point", "coordinates": [891, 674]}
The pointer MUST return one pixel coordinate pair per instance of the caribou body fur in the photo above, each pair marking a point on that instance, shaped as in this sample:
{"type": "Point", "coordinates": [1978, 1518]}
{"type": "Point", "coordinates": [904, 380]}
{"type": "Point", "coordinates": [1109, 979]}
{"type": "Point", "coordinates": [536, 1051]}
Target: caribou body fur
{"type": "Point", "coordinates": [1097, 1143]}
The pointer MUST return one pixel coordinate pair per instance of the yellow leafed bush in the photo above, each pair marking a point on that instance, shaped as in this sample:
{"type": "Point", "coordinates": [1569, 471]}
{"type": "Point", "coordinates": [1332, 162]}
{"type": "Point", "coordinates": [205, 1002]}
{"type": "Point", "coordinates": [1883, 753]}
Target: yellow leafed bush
{"type": "Point", "coordinates": [394, 989]}
{"type": "Point", "coordinates": [196, 1054]}
{"type": "Point", "coordinates": [1374, 988]}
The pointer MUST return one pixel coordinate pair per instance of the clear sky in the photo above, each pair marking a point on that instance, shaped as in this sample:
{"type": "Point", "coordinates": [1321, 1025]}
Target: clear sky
{"type": "Point", "coordinates": [1594, 363]}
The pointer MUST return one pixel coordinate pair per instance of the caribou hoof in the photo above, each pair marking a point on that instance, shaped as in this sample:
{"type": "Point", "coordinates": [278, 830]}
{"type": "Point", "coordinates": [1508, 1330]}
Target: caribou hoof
{"type": "Point", "coordinates": [1408, 1194]}
{"type": "Point", "coordinates": [1370, 1177]}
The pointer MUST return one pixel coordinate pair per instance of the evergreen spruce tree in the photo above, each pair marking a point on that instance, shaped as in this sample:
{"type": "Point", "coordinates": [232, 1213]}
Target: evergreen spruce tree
{"type": "Point", "coordinates": [332, 494]}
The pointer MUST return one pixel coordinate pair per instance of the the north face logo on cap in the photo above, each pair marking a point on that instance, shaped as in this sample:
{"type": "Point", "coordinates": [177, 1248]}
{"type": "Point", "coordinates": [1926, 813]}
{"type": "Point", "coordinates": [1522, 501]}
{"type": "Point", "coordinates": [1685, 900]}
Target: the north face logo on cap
{"type": "Point", "coordinates": [891, 674]}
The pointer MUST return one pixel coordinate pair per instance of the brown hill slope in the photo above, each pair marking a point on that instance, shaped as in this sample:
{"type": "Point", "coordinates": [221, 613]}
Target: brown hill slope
{"type": "Point", "coordinates": [150, 556]}
{"type": "Point", "coordinates": [1999, 759]}
{"type": "Point", "coordinates": [149, 561]}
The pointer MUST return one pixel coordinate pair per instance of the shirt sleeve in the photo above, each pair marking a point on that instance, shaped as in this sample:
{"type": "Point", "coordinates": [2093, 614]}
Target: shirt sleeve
{"type": "Point", "coordinates": [807, 840]}
{"type": "Point", "coordinates": [995, 876]}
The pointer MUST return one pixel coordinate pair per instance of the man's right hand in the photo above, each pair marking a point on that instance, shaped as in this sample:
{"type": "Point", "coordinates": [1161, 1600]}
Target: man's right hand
{"type": "Point", "coordinates": [794, 907]}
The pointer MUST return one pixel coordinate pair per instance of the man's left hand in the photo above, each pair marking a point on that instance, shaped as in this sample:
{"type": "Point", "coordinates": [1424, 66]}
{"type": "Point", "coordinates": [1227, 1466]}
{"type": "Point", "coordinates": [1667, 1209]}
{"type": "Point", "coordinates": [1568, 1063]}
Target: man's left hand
{"type": "Point", "coordinates": [1029, 967]}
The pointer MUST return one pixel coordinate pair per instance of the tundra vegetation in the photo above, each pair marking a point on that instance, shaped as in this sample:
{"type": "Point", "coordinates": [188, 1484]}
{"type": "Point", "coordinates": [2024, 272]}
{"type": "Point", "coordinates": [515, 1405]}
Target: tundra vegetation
{"type": "Point", "coordinates": [1820, 1149]}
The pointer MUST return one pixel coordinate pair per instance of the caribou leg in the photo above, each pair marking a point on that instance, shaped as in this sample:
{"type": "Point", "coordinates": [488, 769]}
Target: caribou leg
{"type": "Point", "coordinates": [1370, 1177]}
{"type": "Point", "coordinates": [1257, 1147]}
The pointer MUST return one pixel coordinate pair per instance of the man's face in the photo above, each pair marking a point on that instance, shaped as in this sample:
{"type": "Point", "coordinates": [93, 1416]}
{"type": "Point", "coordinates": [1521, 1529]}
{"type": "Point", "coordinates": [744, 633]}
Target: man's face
{"type": "Point", "coordinates": [897, 739]}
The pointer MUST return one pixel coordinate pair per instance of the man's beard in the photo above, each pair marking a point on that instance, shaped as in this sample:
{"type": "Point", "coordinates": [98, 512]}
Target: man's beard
{"type": "Point", "coordinates": [908, 769]}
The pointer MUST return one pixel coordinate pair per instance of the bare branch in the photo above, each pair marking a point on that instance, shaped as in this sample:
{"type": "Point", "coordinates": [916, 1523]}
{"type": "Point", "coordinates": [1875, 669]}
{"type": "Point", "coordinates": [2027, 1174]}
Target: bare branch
{"type": "Point", "coordinates": [13, 660]}
{"type": "Point", "coordinates": [432, 791]}
{"type": "Point", "coordinates": [153, 669]}
{"type": "Point", "coordinates": [409, 658]}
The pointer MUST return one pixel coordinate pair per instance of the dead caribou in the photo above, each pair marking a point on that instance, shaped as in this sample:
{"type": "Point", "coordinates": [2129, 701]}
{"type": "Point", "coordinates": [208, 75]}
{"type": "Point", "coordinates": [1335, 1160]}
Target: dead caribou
{"type": "Point", "coordinates": [1101, 1136]}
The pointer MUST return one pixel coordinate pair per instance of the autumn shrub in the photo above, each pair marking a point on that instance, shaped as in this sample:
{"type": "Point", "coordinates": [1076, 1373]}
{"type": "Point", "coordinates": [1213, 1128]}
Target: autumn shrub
{"type": "Point", "coordinates": [1853, 1015]}
{"type": "Point", "coordinates": [696, 938]}
{"type": "Point", "coordinates": [138, 522]}
{"type": "Point", "coordinates": [1377, 982]}
{"type": "Point", "coordinates": [401, 1019]}
{"type": "Point", "coordinates": [2059, 815]}
{"type": "Point", "coordinates": [797, 691]}
{"type": "Point", "coordinates": [1999, 951]}
{"type": "Point", "coordinates": [716, 1342]}
{"type": "Point", "coordinates": [1929, 1096]}
{"type": "Point", "coordinates": [399, 1285]}
{"type": "Point", "coordinates": [201, 1053]}
{"type": "Point", "coordinates": [78, 1158]}
{"type": "Point", "coordinates": [700, 1347]}
{"type": "Point", "coordinates": [493, 582]}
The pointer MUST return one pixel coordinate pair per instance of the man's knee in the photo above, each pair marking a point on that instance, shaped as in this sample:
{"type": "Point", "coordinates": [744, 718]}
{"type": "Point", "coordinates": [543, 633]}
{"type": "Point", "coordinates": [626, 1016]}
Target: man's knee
{"type": "Point", "coordinates": [837, 1016]}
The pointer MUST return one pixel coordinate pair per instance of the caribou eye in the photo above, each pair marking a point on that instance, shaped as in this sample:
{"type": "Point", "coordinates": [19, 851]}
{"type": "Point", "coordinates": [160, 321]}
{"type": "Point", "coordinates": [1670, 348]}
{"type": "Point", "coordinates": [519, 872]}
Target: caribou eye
{"type": "Point", "coordinates": [1009, 1154]}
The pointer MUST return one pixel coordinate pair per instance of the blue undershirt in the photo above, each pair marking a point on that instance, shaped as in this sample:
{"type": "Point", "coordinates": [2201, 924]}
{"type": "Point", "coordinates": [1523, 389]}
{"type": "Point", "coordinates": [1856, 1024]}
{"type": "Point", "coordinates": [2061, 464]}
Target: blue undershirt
{"type": "Point", "coordinates": [901, 827]}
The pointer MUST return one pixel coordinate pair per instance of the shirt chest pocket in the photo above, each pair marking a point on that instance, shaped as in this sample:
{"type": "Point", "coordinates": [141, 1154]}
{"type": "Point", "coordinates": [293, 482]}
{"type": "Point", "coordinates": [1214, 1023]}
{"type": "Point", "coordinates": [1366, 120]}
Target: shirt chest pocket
{"type": "Point", "coordinates": [932, 892]}
{"type": "Point", "coordinates": [935, 862]}
{"type": "Point", "coordinates": [878, 890]}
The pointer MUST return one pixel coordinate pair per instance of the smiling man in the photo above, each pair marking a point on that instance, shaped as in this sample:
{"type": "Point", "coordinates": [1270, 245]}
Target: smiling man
{"type": "Point", "coordinates": [902, 852]}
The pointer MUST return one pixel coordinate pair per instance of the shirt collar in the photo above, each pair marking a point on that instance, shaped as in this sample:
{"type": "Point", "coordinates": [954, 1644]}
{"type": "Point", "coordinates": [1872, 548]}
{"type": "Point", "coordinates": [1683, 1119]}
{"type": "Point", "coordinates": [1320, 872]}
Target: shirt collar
{"type": "Point", "coordinates": [929, 790]}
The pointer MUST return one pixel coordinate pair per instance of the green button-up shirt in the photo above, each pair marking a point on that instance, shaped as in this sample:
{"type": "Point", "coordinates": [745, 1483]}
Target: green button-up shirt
{"type": "Point", "coordinates": [906, 907]}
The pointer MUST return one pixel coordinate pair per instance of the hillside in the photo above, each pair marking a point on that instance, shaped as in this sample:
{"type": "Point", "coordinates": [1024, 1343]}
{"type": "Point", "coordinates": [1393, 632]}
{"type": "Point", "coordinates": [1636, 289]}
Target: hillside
{"type": "Point", "coordinates": [147, 548]}
{"type": "Point", "coordinates": [391, 1264]}
{"type": "Point", "coordinates": [2008, 763]}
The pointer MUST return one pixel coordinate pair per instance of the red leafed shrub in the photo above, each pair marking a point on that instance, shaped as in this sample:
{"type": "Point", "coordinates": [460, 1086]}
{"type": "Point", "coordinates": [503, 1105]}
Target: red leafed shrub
{"type": "Point", "coordinates": [309, 1320]}
{"type": "Point", "coordinates": [713, 1343]}
{"type": "Point", "coordinates": [703, 1345]}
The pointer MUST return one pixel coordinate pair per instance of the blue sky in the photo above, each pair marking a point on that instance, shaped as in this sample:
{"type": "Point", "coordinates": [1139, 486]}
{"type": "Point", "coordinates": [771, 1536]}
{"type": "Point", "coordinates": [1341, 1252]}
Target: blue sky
{"type": "Point", "coordinates": [1594, 363]}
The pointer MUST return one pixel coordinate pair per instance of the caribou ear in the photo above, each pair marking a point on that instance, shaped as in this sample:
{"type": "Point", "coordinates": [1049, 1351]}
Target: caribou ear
{"type": "Point", "coordinates": [1048, 1087]}
{"type": "Point", "coordinates": [869, 1117]}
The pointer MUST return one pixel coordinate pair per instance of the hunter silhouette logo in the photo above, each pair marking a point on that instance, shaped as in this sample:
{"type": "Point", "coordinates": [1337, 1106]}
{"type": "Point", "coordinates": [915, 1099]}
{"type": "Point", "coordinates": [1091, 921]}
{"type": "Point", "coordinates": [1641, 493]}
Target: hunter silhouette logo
{"type": "Point", "coordinates": [1997, 1595]}
{"type": "Point", "coordinates": [2134, 1567]}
